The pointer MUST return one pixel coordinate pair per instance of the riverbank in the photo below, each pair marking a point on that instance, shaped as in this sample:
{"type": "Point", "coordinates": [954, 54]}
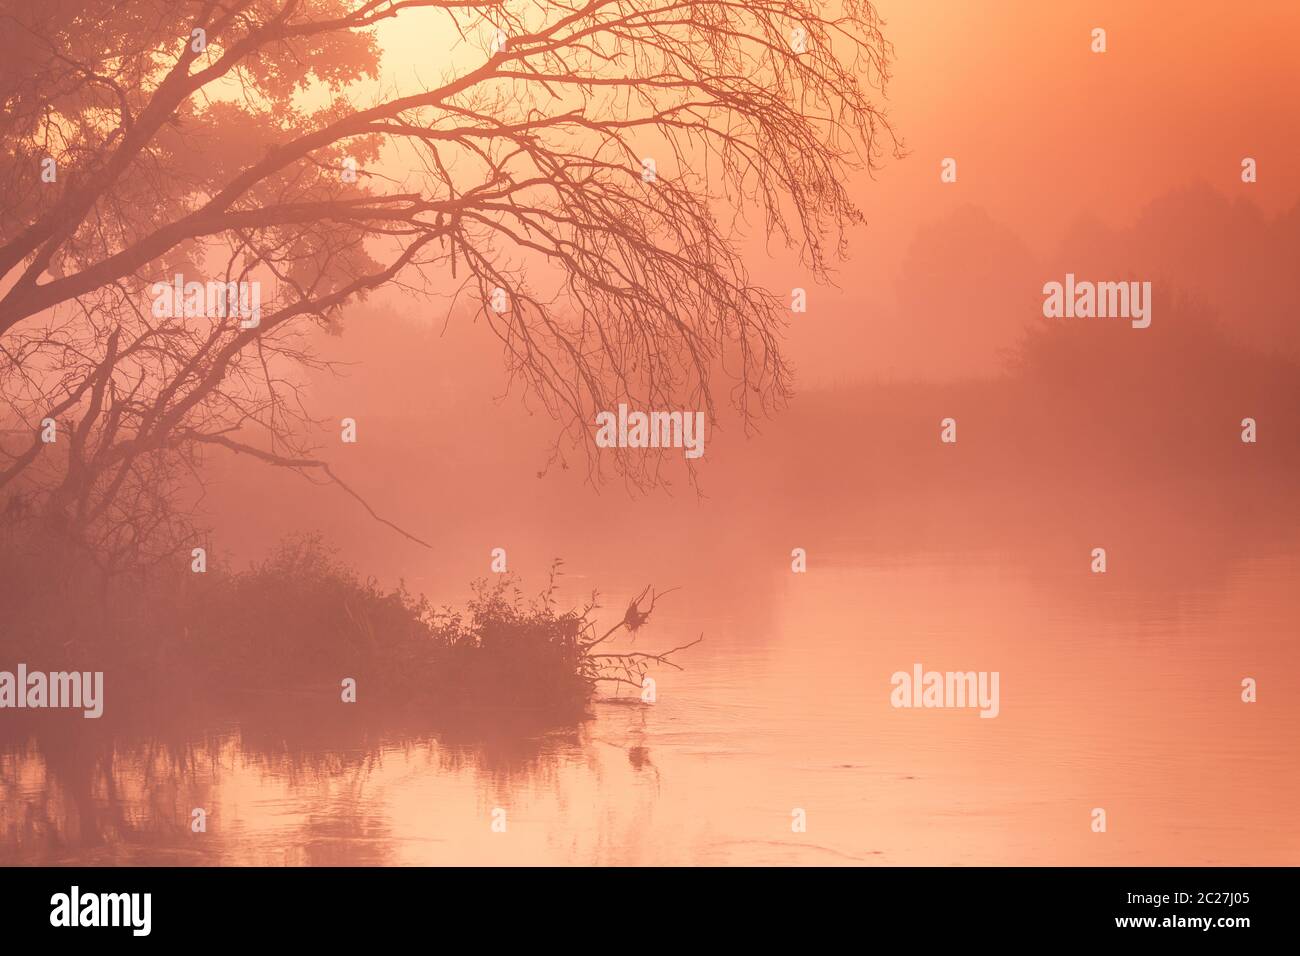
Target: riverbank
{"type": "Point", "coordinates": [302, 629]}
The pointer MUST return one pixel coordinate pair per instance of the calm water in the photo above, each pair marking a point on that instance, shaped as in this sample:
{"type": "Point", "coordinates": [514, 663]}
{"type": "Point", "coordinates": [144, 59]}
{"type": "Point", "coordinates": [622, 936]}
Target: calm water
{"type": "Point", "coordinates": [1121, 692]}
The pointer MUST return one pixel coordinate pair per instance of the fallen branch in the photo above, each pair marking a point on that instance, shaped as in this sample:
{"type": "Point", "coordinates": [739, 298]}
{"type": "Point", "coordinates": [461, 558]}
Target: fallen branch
{"type": "Point", "coordinates": [660, 658]}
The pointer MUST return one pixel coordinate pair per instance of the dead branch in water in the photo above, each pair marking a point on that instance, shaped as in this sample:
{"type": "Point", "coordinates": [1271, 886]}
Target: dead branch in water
{"type": "Point", "coordinates": [660, 658]}
{"type": "Point", "coordinates": [628, 667]}
{"type": "Point", "coordinates": [633, 618]}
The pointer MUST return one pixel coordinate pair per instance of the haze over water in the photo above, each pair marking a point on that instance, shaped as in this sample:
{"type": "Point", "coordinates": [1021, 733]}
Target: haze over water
{"type": "Point", "coordinates": [1118, 691]}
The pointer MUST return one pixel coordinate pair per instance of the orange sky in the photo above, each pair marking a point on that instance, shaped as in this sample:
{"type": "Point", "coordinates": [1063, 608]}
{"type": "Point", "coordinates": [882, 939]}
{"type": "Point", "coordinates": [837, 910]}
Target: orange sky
{"type": "Point", "coordinates": [1044, 131]}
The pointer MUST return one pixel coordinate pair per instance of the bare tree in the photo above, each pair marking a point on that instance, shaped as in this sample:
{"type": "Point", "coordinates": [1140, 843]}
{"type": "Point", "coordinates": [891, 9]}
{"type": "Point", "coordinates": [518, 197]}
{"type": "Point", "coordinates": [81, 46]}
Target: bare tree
{"type": "Point", "coordinates": [144, 138]}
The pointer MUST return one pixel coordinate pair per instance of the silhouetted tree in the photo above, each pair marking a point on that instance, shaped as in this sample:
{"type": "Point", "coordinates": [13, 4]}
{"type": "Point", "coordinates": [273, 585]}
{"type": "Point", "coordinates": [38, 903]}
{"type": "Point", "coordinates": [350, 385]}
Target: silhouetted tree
{"type": "Point", "coordinates": [214, 139]}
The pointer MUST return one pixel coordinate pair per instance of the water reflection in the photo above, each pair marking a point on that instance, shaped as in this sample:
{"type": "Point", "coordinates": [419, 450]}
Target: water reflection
{"type": "Point", "coordinates": [1119, 691]}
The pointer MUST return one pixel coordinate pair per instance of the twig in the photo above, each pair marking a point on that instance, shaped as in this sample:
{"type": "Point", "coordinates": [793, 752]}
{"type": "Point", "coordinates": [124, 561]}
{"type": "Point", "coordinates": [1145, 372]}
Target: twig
{"type": "Point", "coordinates": [661, 658]}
